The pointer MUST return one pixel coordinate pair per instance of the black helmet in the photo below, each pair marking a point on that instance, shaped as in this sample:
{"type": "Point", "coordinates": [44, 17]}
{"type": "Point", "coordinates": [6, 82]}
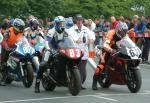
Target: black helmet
{"type": "Point", "coordinates": [34, 23]}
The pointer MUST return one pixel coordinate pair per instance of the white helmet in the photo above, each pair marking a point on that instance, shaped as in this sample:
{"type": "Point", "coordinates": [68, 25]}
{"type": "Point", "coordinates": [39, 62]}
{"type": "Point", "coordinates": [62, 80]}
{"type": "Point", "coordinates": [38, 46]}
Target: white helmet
{"type": "Point", "coordinates": [121, 30]}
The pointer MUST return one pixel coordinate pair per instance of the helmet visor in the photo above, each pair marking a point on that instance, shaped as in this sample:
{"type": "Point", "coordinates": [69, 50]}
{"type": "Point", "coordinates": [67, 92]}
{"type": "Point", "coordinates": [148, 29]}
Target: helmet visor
{"type": "Point", "coordinates": [60, 24]}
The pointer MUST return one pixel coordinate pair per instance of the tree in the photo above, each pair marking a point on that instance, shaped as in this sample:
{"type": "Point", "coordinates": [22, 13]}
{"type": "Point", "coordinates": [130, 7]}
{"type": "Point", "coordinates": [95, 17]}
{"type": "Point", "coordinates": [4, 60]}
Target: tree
{"type": "Point", "coordinates": [13, 7]}
{"type": "Point", "coordinates": [89, 8]}
{"type": "Point", "coordinates": [45, 8]}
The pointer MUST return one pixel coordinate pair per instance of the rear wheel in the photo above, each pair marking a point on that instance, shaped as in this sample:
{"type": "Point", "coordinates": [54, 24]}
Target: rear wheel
{"type": "Point", "coordinates": [134, 80]}
{"type": "Point", "coordinates": [74, 81]}
{"type": "Point", "coordinates": [28, 76]}
{"type": "Point", "coordinates": [48, 85]}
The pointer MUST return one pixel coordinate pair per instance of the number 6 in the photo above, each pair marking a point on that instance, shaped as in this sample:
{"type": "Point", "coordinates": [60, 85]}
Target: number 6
{"type": "Point", "coordinates": [132, 53]}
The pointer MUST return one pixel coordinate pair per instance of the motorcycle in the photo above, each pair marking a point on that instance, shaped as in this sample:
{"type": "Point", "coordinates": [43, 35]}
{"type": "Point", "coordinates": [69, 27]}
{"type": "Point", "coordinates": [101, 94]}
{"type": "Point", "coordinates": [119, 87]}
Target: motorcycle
{"type": "Point", "coordinates": [63, 67]}
{"type": "Point", "coordinates": [19, 63]}
{"type": "Point", "coordinates": [122, 68]}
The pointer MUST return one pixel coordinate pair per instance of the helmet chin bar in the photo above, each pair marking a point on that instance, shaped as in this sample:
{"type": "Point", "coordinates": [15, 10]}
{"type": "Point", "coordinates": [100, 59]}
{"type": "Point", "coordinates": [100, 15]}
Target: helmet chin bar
{"type": "Point", "coordinates": [34, 28]}
{"type": "Point", "coordinates": [60, 30]}
{"type": "Point", "coordinates": [120, 34]}
{"type": "Point", "coordinates": [17, 30]}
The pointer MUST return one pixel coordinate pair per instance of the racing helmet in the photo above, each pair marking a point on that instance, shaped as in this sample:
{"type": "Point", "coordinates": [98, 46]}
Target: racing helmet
{"type": "Point", "coordinates": [59, 24]}
{"type": "Point", "coordinates": [121, 30]}
{"type": "Point", "coordinates": [18, 25]}
{"type": "Point", "coordinates": [34, 24]}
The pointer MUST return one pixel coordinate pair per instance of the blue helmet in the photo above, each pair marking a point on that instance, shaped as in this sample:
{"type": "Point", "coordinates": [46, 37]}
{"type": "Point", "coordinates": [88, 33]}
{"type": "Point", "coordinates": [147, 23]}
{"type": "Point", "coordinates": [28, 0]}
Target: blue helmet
{"type": "Point", "coordinates": [59, 23]}
{"type": "Point", "coordinates": [68, 23]}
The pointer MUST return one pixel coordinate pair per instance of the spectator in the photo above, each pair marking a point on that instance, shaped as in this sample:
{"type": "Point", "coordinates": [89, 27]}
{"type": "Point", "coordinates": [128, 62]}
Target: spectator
{"type": "Point", "coordinates": [134, 22]}
{"type": "Point", "coordinates": [88, 24]}
{"type": "Point", "coordinates": [97, 30]}
{"type": "Point", "coordinates": [128, 22]}
{"type": "Point", "coordinates": [139, 27]}
{"type": "Point", "coordinates": [91, 24]}
{"type": "Point", "coordinates": [82, 37]}
{"type": "Point", "coordinates": [10, 21]}
{"type": "Point", "coordinates": [106, 26]}
{"type": "Point", "coordinates": [50, 23]}
{"type": "Point", "coordinates": [143, 19]}
{"type": "Point", "coordinates": [41, 22]}
{"type": "Point", "coordinates": [5, 24]}
{"type": "Point", "coordinates": [101, 23]}
{"type": "Point", "coordinates": [121, 18]}
{"type": "Point", "coordinates": [114, 22]}
{"type": "Point", "coordinates": [145, 52]}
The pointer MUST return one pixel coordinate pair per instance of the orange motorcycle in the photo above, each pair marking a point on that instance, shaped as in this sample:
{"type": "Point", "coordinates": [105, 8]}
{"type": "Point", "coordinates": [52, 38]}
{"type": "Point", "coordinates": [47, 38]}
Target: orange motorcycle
{"type": "Point", "coordinates": [122, 68]}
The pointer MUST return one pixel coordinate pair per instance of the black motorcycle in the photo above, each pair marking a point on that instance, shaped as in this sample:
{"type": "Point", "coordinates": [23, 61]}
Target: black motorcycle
{"type": "Point", "coordinates": [63, 67]}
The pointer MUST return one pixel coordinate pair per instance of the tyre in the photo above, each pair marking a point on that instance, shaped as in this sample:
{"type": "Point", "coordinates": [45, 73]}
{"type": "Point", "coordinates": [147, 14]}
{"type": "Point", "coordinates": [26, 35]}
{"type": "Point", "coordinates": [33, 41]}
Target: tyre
{"type": "Point", "coordinates": [9, 80]}
{"type": "Point", "coordinates": [28, 76]}
{"type": "Point", "coordinates": [75, 82]}
{"type": "Point", "coordinates": [104, 81]}
{"type": "Point", "coordinates": [47, 84]}
{"type": "Point", "coordinates": [134, 80]}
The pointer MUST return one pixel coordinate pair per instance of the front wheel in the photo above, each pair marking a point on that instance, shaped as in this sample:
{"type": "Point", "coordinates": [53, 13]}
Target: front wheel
{"type": "Point", "coordinates": [74, 81]}
{"type": "Point", "coordinates": [134, 80]}
{"type": "Point", "coordinates": [9, 79]}
{"type": "Point", "coordinates": [28, 76]}
{"type": "Point", "coordinates": [103, 80]}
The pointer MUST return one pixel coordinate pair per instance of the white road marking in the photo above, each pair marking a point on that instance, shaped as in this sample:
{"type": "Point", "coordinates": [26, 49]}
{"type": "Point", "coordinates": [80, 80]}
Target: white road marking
{"type": "Point", "coordinates": [100, 97]}
{"type": "Point", "coordinates": [147, 91]}
{"type": "Point", "coordinates": [122, 94]}
{"type": "Point", "coordinates": [52, 98]}
{"type": "Point", "coordinates": [97, 95]}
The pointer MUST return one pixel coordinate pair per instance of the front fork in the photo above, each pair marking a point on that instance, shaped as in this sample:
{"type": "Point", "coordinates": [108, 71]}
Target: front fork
{"type": "Point", "coordinates": [36, 63]}
{"type": "Point", "coordinates": [68, 72]}
{"type": "Point", "coordinates": [126, 71]}
{"type": "Point", "coordinates": [22, 69]}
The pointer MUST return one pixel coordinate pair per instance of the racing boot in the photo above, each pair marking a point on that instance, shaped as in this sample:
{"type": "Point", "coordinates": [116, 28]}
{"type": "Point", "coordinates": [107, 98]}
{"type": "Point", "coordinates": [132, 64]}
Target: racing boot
{"type": "Point", "coordinates": [37, 86]}
{"type": "Point", "coordinates": [97, 73]}
{"type": "Point", "coordinates": [4, 74]}
{"type": "Point", "coordinates": [3, 83]}
{"type": "Point", "coordinates": [94, 84]}
{"type": "Point", "coordinates": [42, 68]}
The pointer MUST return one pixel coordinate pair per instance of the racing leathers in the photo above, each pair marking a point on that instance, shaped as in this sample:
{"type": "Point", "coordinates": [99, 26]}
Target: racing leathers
{"type": "Point", "coordinates": [53, 38]}
{"type": "Point", "coordinates": [109, 41]}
